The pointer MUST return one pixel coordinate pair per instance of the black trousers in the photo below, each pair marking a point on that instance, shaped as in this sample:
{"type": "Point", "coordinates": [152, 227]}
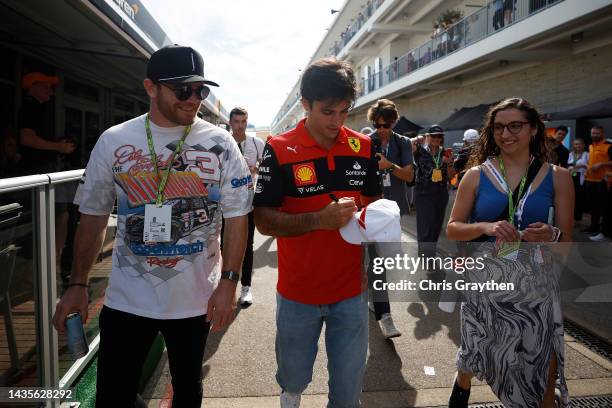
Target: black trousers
{"type": "Point", "coordinates": [579, 194]}
{"type": "Point", "coordinates": [431, 200]}
{"type": "Point", "coordinates": [125, 340]}
{"type": "Point", "coordinates": [380, 299]}
{"type": "Point", "coordinates": [596, 195]}
{"type": "Point", "coordinates": [247, 263]}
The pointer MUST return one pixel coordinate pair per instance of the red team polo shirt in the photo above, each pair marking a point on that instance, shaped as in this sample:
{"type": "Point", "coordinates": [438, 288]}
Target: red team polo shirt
{"type": "Point", "coordinates": [296, 176]}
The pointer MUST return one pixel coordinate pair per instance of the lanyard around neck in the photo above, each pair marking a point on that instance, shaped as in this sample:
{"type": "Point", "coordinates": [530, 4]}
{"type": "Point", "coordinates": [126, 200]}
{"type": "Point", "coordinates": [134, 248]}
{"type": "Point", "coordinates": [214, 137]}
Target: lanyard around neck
{"type": "Point", "coordinates": [436, 158]}
{"type": "Point", "coordinates": [511, 207]}
{"type": "Point", "coordinates": [164, 179]}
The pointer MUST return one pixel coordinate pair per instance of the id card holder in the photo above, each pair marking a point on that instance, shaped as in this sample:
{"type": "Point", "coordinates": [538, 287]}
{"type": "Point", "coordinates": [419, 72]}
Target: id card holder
{"type": "Point", "coordinates": [157, 223]}
{"type": "Point", "coordinates": [509, 250]}
{"type": "Point", "coordinates": [387, 180]}
{"type": "Point", "coordinates": [436, 175]}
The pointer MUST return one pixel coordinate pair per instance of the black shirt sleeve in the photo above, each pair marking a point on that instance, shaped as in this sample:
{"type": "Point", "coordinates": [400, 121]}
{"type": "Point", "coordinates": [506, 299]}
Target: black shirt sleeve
{"type": "Point", "coordinates": [269, 191]}
{"type": "Point", "coordinates": [373, 182]}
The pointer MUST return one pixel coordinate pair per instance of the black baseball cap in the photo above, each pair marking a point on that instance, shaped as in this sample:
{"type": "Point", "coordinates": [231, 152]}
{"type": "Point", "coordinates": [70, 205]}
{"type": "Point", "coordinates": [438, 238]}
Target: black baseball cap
{"type": "Point", "coordinates": [435, 130]}
{"type": "Point", "coordinates": [177, 64]}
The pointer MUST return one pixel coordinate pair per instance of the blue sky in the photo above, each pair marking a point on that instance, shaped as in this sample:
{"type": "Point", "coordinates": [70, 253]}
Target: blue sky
{"type": "Point", "coordinates": [253, 49]}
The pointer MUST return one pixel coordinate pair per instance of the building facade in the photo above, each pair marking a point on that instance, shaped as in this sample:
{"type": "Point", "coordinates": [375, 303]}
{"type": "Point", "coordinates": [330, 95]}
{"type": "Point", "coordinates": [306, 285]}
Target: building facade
{"type": "Point", "coordinates": [555, 53]}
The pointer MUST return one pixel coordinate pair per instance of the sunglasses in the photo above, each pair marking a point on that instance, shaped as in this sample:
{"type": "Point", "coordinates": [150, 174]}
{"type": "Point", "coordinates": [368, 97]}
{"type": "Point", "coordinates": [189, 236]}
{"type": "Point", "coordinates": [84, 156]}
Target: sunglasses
{"type": "Point", "coordinates": [437, 136]}
{"type": "Point", "coordinates": [184, 92]}
{"type": "Point", "coordinates": [384, 125]}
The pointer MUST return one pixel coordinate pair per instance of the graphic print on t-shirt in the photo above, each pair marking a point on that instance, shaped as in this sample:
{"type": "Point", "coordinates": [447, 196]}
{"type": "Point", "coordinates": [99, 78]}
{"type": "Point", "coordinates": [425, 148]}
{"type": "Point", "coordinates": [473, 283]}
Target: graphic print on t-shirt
{"type": "Point", "coordinates": [193, 192]}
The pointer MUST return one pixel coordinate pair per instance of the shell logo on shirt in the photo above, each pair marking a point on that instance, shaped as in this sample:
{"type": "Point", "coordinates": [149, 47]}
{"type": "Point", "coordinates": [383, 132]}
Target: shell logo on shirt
{"type": "Point", "coordinates": [304, 174]}
{"type": "Point", "coordinates": [355, 144]}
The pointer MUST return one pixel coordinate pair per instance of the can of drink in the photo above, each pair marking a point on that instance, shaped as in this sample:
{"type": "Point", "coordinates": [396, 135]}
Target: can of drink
{"type": "Point", "coordinates": [75, 335]}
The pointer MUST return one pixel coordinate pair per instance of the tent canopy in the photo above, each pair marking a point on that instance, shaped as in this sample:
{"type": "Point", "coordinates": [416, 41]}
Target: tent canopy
{"type": "Point", "coordinates": [466, 118]}
{"type": "Point", "coordinates": [599, 109]}
{"type": "Point", "coordinates": [404, 125]}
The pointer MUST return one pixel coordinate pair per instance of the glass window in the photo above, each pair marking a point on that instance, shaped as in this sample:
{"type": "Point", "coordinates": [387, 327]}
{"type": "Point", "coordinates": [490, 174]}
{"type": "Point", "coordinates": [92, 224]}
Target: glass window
{"type": "Point", "coordinates": [123, 104]}
{"type": "Point", "coordinates": [81, 90]}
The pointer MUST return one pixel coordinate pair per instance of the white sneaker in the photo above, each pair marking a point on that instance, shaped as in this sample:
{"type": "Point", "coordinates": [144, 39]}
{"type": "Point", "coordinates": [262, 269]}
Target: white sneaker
{"type": "Point", "coordinates": [289, 400]}
{"type": "Point", "coordinates": [599, 238]}
{"type": "Point", "coordinates": [387, 327]}
{"type": "Point", "coordinates": [246, 296]}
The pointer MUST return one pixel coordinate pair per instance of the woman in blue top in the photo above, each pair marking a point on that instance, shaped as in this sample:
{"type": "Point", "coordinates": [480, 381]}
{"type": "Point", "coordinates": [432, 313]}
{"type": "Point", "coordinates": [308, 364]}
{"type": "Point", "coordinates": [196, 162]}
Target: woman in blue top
{"type": "Point", "coordinates": [516, 347]}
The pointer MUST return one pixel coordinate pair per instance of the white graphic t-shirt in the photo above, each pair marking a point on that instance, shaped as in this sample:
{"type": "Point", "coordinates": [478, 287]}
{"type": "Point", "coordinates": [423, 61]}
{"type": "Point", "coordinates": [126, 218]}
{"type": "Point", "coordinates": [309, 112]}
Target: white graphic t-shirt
{"type": "Point", "coordinates": [170, 280]}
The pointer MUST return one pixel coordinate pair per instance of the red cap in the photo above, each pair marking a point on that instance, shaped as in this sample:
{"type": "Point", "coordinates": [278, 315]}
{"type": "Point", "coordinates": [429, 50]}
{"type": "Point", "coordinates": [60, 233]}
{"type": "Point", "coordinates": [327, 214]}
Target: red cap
{"type": "Point", "coordinates": [33, 77]}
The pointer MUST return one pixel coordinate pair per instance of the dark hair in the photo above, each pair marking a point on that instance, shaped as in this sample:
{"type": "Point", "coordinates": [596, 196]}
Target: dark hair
{"type": "Point", "coordinates": [597, 127]}
{"type": "Point", "coordinates": [383, 108]}
{"type": "Point", "coordinates": [238, 111]}
{"type": "Point", "coordinates": [487, 147]}
{"type": "Point", "coordinates": [563, 128]}
{"type": "Point", "coordinates": [328, 79]}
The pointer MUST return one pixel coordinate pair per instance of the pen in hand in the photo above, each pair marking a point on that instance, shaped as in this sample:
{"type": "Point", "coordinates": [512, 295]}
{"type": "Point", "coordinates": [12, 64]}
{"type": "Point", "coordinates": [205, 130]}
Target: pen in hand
{"type": "Point", "coordinates": [333, 197]}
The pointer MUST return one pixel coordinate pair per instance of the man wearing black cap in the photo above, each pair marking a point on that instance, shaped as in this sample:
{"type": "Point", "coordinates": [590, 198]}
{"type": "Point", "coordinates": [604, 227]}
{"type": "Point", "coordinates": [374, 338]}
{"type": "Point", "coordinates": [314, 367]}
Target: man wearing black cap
{"type": "Point", "coordinates": [174, 176]}
{"type": "Point", "coordinates": [433, 172]}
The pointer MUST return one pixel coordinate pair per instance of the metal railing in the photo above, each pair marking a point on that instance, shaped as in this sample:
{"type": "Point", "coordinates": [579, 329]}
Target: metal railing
{"type": "Point", "coordinates": [32, 202]}
{"type": "Point", "coordinates": [356, 23]}
{"type": "Point", "coordinates": [484, 22]}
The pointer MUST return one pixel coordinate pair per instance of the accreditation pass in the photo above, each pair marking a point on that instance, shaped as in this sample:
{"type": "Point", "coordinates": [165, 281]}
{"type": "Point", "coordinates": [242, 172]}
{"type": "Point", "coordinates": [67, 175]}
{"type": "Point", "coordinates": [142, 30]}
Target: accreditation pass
{"type": "Point", "coordinates": [35, 394]}
{"type": "Point", "coordinates": [157, 223]}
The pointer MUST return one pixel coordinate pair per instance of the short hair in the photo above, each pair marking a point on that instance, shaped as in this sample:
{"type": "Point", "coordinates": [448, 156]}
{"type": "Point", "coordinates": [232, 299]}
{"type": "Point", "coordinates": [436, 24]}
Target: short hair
{"type": "Point", "coordinates": [597, 127]}
{"type": "Point", "coordinates": [563, 128]}
{"type": "Point", "coordinates": [383, 108]}
{"type": "Point", "coordinates": [238, 111]}
{"type": "Point", "coordinates": [328, 79]}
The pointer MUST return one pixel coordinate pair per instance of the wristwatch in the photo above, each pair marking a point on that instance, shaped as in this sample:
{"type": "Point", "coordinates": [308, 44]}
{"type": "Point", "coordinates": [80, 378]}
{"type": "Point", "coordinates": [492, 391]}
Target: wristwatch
{"type": "Point", "coordinates": [231, 275]}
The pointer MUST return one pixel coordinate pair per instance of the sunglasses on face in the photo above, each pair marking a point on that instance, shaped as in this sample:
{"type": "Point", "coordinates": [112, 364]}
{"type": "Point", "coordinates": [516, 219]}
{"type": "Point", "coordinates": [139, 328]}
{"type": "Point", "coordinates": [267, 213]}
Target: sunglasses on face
{"type": "Point", "coordinates": [184, 92]}
{"type": "Point", "coordinates": [437, 136]}
{"type": "Point", "coordinates": [513, 127]}
{"type": "Point", "coordinates": [381, 125]}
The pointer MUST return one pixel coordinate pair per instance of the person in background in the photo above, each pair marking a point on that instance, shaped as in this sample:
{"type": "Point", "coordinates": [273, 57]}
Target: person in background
{"type": "Point", "coordinates": [470, 138]}
{"type": "Point", "coordinates": [395, 165]}
{"type": "Point", "coordinates": [577, 165]}
{"type": "Point", "coordinates": [10, 159]}
{"type": "Point", "coordinates": [434, 169]}
{"type": "Point", "coordinates": [251, 148]}
{"type": "Point", "coordinates": [561, 154]}
{"type": "Point", "coordinates": [600, 161]}
{"type": "Point", "coordinates": [42, 151]}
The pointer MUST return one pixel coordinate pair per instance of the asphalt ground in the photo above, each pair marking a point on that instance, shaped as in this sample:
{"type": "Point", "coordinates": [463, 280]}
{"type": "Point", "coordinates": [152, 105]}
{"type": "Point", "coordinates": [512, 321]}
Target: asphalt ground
{"type": "Point", "coordinates": [239, 365]}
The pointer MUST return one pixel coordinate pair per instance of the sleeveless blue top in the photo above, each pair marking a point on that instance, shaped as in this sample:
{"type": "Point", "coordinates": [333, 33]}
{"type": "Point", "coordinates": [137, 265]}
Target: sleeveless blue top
{"type": "Point", "coordinates": [490, 201]}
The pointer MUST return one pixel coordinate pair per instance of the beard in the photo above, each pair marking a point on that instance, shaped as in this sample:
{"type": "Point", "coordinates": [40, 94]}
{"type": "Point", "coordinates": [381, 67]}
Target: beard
{"type": "Point", "coordinates": [173, 112]}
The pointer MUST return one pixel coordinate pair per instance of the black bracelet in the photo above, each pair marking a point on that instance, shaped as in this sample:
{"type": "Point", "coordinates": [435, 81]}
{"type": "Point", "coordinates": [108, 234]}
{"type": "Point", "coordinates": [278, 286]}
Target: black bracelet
{"type": "Point", "coordinates": [77, 284]}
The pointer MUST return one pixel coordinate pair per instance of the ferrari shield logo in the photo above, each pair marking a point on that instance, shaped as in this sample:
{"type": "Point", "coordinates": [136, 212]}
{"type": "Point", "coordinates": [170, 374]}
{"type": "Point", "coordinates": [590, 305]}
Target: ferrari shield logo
{"type": "Point", "coordinates": [355, 144]}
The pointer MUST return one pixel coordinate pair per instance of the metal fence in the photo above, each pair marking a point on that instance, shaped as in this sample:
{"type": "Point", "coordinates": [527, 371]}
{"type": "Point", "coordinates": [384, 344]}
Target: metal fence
{"type": "Point", "coordinates": [30, 282]}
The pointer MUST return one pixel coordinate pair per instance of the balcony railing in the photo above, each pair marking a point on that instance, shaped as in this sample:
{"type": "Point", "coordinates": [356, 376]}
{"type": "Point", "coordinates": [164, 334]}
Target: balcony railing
{"type": "Point", "coordinates": [486, 21]}
{"type": "Point", "coordinates": [356, 23]}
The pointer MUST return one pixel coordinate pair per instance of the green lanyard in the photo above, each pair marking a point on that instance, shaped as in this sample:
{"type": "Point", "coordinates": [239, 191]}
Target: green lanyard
{"type": "Point", "coordinates": [164, 179]}
{"type": "Point", "coordinates": [511, 207]}
{"type": "Point", "coordinates": [437, 159]}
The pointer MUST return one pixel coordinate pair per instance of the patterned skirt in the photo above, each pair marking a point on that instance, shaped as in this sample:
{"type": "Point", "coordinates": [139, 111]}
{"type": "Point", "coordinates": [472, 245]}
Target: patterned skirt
{"type": "Point", "coordinates": [509, 338]}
